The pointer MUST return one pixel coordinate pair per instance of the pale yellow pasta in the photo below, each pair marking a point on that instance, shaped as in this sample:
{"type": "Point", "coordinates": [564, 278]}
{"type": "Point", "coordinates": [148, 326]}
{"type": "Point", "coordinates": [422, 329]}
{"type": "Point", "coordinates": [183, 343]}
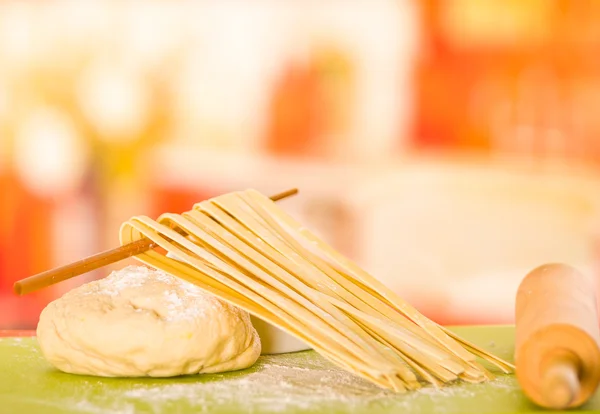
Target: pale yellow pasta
{"type": "Point", "coordinates": [247, 251]}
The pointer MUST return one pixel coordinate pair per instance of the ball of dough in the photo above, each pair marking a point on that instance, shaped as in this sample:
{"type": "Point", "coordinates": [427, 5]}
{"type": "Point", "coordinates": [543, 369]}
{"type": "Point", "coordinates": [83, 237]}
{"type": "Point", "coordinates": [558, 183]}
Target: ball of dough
{"type": "Point", "coordinates": [144, 322]}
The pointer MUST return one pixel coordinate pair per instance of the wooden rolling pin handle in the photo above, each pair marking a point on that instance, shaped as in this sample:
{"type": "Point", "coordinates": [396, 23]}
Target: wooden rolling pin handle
{"type": "Point", "coordinates": [557, 342]}
{"type": "Point", "coordinates": [560, 378]}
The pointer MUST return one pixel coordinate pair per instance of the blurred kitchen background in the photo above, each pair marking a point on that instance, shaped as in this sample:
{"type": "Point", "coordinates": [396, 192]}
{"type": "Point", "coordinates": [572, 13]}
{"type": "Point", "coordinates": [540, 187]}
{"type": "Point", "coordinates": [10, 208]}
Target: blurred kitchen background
{"type": "Point", "coordinates": [448, 147]}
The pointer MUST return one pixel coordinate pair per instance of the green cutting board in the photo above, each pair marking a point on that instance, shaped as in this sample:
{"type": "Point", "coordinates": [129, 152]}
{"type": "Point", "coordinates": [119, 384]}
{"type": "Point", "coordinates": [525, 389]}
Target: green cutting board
{"type": "Point", "coordinates": [290, 383]}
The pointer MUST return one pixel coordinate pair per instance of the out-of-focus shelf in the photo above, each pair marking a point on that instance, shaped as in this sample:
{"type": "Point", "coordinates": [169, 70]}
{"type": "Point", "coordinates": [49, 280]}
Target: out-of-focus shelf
{"type": "Point", "coordinates": [188, 166]}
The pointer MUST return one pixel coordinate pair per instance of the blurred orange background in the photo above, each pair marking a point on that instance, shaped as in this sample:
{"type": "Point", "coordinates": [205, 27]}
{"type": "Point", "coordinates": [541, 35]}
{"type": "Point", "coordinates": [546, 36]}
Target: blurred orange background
{"type": "Point", "coordinates": [447, 146]}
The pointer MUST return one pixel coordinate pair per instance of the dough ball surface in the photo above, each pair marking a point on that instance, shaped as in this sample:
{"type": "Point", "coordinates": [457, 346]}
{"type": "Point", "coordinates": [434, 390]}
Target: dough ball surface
{"type": "Point", "coordinates": [143, 322]}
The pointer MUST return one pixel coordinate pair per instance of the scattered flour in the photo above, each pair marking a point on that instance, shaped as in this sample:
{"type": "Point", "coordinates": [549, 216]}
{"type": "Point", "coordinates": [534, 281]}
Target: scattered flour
{"type": "Point", "coordinates": [297, 382]}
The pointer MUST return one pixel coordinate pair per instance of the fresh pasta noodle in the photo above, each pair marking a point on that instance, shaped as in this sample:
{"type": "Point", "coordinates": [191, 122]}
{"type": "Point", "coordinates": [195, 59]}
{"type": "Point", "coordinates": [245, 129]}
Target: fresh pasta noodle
{"type": "Point", "coordinates": [244, 249]}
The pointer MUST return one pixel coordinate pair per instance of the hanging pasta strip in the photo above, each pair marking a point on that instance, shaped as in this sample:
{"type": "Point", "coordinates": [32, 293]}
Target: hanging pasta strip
{"type": "Point", "coordinates": [276, 257]}
{"type": "Point", "coordinates": [314, 261]}
{"type": "Point", "coordinates": [226, 203]}
{"type": "Point", "coordinates": [265, 256]}
{"type": "Point", "coordinates": [244, 247]}
{"type": "Point", "coordinates": [336, 319]}
{"type": "Point", "coordinates": [245, 250]}
{"type": "Point", "coordinates": [223, 218]}
{"type": "Point", "coordinates": [267, 267]}
{"type": "Point", "coordinates": [274, 246]}
{"type": "Point", "coordinates": [434, 360]}
{"type": "Point", "coordinates": [505, 367]}
{"type": "Point", "coordinates": [457, 366]}
{"type": "Point", "coordinates": [356, 272]}
{"type": "Point", "coordinates": [405, 337]}
{"type": "Point", "coordinates": [468, 361]}
{"type": "Point", "coordinates": [316, 336]}
{"type": "Point", "coordinates": [435, 330]}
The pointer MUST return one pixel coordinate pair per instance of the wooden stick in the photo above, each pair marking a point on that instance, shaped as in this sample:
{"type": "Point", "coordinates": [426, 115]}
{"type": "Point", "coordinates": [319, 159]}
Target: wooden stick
{"type": "Point", "coordinates": [59, 274]}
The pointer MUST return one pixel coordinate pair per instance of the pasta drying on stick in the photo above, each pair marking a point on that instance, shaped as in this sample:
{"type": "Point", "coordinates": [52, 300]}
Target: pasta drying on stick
{"type": "Point", "coordinates": [375, 287]}
{"type": "Point", "coordinates": [315, 240]}
{"type": "Point", "coordinates": [360, 360]}
{"type": "Point", "coordinates": [244, 249]}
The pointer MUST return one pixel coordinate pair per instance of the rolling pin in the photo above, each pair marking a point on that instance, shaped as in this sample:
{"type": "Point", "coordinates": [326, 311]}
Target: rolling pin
{"type": "Point", "coordinates": [557, 344]}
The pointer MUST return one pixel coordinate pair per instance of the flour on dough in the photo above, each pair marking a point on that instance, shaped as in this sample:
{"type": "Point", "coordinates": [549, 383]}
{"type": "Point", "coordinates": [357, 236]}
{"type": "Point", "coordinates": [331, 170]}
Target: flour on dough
{"type": "Point", "coordinates": [144, 322]}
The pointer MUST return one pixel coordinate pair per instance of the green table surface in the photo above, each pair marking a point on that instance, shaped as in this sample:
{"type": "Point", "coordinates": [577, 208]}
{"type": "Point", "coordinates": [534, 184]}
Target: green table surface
{"type": "Point", "coordinates": [289, 383]}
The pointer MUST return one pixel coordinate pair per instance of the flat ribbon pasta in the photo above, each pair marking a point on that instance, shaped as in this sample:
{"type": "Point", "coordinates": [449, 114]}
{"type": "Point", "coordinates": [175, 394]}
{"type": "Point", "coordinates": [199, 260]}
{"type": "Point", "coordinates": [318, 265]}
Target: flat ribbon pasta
{"type": "Point", "coordinates": [244, 249]}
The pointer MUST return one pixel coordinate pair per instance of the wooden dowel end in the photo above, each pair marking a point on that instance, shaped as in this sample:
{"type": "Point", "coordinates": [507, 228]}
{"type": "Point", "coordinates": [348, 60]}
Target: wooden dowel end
{"type": "Point", "coordinates": [59, 274]}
